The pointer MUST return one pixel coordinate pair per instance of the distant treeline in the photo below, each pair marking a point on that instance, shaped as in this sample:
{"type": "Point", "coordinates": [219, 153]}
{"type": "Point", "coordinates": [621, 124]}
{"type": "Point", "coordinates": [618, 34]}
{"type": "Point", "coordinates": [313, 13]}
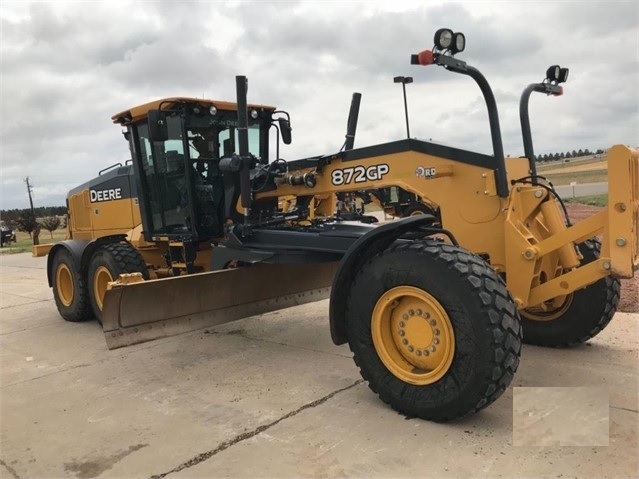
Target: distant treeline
{"type": "Point", "coordinates": [568, 154]}
{"type": "Point", "coordinates": [40, 212]}
{"type": "Point", "coordinates": [47, 217]}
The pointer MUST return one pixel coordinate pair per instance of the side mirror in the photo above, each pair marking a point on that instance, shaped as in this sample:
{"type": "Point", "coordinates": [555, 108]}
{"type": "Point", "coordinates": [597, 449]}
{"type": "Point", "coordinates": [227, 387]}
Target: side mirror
{"type": "Point", "coordinates": [285, 130]}
{"type": "Point", "coordinates": [158, 129]}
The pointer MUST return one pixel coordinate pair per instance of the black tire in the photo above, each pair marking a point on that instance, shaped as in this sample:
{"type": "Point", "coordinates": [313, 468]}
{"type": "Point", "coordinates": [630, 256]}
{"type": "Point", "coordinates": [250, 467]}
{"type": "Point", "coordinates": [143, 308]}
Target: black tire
{"type": "Point", "coordinates": [418, 209]}
{"type": "Point", "coordinates": [69, 289]}
{"type": "Point", "coordinates": [580, 316]}
{"type": "Point", "coordinates": [107, 263]}
{"type": "Point", "coordinates": [481, 314]}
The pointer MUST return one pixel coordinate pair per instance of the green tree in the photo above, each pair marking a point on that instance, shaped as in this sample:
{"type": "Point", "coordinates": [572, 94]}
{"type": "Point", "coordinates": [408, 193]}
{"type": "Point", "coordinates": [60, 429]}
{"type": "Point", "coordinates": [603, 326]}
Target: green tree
{"type": "Point", "coordinates": [26, 222]}
{"type": "Point", "coordinates": [50, 223]}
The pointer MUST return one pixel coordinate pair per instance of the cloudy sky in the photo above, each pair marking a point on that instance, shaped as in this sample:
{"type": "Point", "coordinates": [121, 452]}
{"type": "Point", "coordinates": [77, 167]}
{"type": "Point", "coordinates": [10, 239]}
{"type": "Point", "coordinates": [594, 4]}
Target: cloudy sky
{"type": "Point", "coordinates": [66, 67]}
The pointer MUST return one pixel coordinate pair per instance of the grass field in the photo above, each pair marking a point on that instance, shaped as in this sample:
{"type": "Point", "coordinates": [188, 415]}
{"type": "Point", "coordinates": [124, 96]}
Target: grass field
{"type": "Point", "coordinates": [24, 241]}
{"type": "Point", "coordinates": [587, 170]}
{"type": "Point", "coordinates": [594, 200]}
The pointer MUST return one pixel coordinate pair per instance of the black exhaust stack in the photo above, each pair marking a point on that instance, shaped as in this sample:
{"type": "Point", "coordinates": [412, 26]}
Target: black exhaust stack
{"type": "Point", "coordinates": [241, 84]}
{"type": "Point", "coordinates": [351, 125]}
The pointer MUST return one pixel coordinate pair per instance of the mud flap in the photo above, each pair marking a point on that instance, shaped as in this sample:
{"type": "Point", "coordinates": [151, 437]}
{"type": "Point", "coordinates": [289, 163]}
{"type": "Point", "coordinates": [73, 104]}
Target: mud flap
{"type": "Point", "coordinates": [139, 312]}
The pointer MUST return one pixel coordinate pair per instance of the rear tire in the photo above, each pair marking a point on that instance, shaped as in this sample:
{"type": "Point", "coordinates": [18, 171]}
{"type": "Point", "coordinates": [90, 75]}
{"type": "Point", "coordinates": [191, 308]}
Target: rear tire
{"type": "Point", "coordinates": [447, 304]}
{"type": "Point", "coordinates": [578, 316]}
{"type": "Point", "coordinates": [107, 263]}
{"type": "Point", "coordinates": [69, 289]}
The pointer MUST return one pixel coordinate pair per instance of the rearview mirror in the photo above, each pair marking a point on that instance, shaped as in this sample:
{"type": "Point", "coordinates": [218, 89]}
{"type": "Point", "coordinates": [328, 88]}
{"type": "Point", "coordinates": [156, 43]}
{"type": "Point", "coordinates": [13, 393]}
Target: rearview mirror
{"type": "Point", "coordinates": [285, 130]}
{"type": "Point", "coordinates": [158, 129]}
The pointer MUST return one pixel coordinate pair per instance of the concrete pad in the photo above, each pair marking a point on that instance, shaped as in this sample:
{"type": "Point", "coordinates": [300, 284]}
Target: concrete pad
{"type": "Point", "coordinates": [560, 416]}
{"type": "Point", "coordinates": [268, 396]}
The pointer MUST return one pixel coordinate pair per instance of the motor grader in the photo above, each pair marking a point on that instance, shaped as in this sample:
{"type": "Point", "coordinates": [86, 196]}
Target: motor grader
{"type": "Point", "coordinates": [433, 307]}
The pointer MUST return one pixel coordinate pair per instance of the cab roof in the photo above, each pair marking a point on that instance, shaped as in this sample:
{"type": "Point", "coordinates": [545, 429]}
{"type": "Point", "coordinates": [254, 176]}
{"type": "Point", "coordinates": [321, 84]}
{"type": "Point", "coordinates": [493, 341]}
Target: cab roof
{"type": "Point", "coordinates": [140, 112]}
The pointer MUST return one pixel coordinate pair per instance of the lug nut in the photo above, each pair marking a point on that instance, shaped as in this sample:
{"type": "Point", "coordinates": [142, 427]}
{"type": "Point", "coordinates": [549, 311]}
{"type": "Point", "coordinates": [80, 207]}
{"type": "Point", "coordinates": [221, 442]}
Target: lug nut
{"type": "Point", "coordinates": [418, 352]}
{"type": "Point", "coordinates": [404, 316]}
{"type": "Point", "coordinates": [433, 322]}
{"type": "Point", "coordinates": [411, 313]}
{"type": "Point", "coordinates": [404, 342]}
{"type": "Point", "coordinates": [402, 324]}
{"type": "Point", "coordinates": [418, 312]}
{"type": "Point", "coordinates": [401, 333]}
{"type": "Point", "coordinates": [436, 332]}
{"type": "Point", "coordinates": [432, 349]}
{"type": "Point", "coordinates": [436, 341]}
{"type": "Point", "coordinates": [410, 349]}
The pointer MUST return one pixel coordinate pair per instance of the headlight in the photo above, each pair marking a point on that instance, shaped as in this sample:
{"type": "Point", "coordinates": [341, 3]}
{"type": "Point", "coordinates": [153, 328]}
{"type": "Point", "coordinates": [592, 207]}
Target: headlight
{"type": "Point", "coordinates": [254, 114]}
{"type": "Point", "coordinates": [213, 110]}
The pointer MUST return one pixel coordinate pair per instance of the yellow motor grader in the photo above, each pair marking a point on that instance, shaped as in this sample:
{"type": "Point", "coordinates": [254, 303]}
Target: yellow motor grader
{"type": "Point", "coordinates": [434, 307]}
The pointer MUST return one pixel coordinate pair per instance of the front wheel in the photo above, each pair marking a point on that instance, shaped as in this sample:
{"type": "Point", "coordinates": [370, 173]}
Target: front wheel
{"type": "Point", "coordinates": [433, 329]}
{"type": "Point", "coordinates": [107, 263]}
{"type": "Point", "coordinates": [578, 316]}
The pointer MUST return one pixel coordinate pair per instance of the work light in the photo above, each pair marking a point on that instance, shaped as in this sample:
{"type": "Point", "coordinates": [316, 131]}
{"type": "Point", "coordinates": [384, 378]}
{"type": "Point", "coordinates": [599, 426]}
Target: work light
{"type": "Point", "coordinates": [459, 43]}
{"type": "Point", "coordinates": [443, 38]}
{"type": "Point", "coordinates": [552, 74]}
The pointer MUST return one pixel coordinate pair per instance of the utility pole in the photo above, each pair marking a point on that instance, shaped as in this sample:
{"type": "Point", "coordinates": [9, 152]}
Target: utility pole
{"type": "Point", "coordinates": [29, 190]}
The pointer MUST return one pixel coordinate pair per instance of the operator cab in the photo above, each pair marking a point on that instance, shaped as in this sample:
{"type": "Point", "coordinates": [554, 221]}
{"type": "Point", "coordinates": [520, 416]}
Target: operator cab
{"type": "Point", "coordinates": [177, 144]}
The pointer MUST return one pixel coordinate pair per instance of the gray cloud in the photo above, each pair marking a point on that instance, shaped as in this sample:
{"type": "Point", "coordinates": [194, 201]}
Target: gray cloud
{"type": "Point", "coordinates": [66, 70]}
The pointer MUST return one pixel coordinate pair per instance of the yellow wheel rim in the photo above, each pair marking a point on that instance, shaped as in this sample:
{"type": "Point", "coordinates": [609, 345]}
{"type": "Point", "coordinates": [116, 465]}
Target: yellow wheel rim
{"type": "Point", "coordinates": [101, 279]}
{"type": "Point", "coordinates": [550, 310]}
{"type": "Point", "coordinates": [413, 335]}
{"type": "Point", "coordinates": [64, 284]}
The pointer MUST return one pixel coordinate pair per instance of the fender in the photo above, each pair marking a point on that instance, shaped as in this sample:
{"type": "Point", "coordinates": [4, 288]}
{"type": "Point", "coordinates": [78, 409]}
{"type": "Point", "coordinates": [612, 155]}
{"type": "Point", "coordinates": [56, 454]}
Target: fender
{"type": "Point", "coordinates": [81, 252]}
{"type": "Point", "coordinates": [370, 244]}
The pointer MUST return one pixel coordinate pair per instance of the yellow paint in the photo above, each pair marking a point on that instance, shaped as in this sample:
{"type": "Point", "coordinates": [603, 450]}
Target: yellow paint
{"type": "Point", "coordinates": [413, 335]}
{"type": "Point", "coordinates": [64, 284]}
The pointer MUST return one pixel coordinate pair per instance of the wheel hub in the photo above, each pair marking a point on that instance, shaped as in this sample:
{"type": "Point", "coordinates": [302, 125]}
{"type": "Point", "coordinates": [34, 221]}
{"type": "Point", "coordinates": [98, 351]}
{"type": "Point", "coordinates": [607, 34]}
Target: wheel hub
{"type": "Point", "coordinates": [64, 284]}
{"type": "Point", "coordinates": [101, 280]}
{"type": "Point", "coordinates": [413, 335]}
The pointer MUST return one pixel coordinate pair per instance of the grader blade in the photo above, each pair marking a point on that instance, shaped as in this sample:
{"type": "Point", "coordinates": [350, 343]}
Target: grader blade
{"type": "Point", "coordinates": [147, 310]}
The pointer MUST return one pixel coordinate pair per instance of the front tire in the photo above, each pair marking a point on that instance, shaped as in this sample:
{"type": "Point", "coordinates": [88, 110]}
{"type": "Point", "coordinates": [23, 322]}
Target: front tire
{"type": "Point", "coordinates": [69, 289]}
{"type": "Point", "coordinates": [107, 263]}
{"type": "Point", "coordinates": [433, 329]}
{"type": "Point", "coordinates": [577, 317]}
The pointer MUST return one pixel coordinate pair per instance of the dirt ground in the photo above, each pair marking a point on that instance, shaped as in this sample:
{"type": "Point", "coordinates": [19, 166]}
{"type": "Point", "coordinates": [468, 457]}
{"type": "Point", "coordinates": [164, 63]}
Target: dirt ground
{"type": "Point", "coordinates": [629, 302]}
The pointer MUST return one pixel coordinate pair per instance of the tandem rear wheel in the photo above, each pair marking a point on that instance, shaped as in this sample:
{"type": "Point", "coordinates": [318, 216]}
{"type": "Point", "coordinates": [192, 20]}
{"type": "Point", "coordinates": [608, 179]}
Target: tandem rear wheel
{"type": "Point", "coordinates": [70, 291]}
{"type": "Point", "coordinates": [107, 263]}
{"type": "Point", "coordinates": [433, 330]}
